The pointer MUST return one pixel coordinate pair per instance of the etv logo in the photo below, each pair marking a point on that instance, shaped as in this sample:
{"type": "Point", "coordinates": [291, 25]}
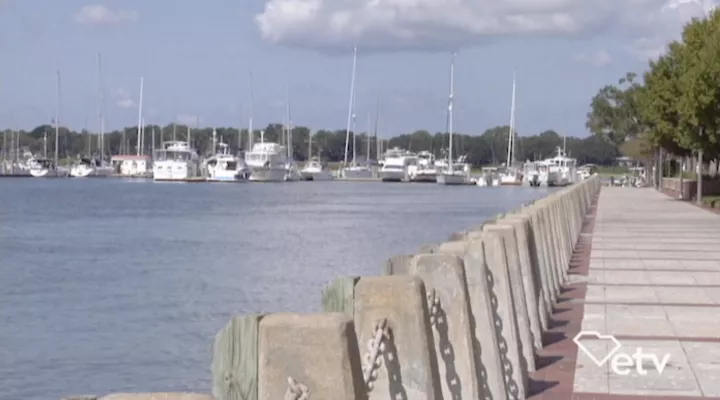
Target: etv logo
{"type": "Point", "coordinates": [621, 363]}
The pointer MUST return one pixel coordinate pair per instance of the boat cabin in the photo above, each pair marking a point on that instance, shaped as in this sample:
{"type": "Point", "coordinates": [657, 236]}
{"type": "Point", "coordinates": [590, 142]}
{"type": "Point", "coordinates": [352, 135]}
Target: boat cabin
{"type": "Point", "coordinates": [131, 165]}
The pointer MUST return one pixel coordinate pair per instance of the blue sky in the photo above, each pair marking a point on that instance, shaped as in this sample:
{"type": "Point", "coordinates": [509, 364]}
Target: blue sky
{"type": "Point", "coordinates": [195, 58]}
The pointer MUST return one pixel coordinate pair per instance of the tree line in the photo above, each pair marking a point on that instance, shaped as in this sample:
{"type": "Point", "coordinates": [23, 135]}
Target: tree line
{"type": "Point", "coordinates": [673, 106]}
{"type": "Point", "coordinates": [490, 148]}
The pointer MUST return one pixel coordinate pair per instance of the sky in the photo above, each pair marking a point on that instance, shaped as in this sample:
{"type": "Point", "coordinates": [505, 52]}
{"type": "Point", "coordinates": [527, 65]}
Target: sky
{"type": "Point", "coordinates": [202, 62]}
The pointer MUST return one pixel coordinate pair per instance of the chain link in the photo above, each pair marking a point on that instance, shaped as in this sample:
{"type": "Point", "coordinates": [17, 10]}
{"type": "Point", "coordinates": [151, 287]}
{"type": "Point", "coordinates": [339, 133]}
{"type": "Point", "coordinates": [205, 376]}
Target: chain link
{"type": "Point", "coordinates": [375, 348]}
{"type": "Point", "coordinates": [433, 306]}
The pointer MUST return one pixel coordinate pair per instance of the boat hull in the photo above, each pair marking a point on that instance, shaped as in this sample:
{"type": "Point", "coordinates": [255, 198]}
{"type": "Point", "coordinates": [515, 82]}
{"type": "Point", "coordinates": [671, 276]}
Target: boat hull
{"type": "Point", "coordinates": [40, 172]}
{"type": "Point", "coordinates": [392, 176]}
{"type": "Point", "coordinates": [424, 177]}
{"type": "Point", "coordinates": [173, 171]}
{"type": "Point", "coordinates": [316, 175]}
{"type": "Point", "coordinates": [357, 173]}
{"type": "Point", "coordinates": [451, 179]}
{"type": "Point", "coordinates": [268, 175]}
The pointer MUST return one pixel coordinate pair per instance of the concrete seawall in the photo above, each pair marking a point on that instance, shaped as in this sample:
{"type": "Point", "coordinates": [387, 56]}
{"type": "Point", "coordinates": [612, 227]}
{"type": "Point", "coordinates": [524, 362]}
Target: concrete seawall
{"type": "Point", "coordinates": [462, 319]}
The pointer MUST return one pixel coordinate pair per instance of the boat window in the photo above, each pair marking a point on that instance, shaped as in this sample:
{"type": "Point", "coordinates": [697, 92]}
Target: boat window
{"type": "Point", "coordinates": [231, 165]}
{"type": "Point", "coordinates": [212, 162]}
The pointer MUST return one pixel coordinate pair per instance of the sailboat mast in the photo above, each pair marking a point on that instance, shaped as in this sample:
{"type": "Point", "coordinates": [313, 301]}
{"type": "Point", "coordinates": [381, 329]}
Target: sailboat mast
{"type": "Point", "coordinates": [450, 111]}
{"type": "Point", "coordinates": [142, 82]}
{"type": "Point", "coordinates": [251, 134]}
{"type": "Point", "coordinates": [351, 107]}
{"type": "Point", "coordinates": [101, 111]}
{"type": "Point", "coordinates": [309, 152]}
{"type": "Point", "coordinates": [375, 133]}
{"type": "Point", "coordinates": [511, 133]}
{"type": "Point", "coordinates": [57, 119]}
{"type": "Point", "coordinates": [289, 125]}
{"type": "Point", "coordinates": [367, 139]}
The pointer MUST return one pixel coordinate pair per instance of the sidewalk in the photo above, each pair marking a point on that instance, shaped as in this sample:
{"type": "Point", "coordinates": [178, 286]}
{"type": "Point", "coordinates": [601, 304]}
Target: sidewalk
{"type": "Point", "coordinates": [647, 271]}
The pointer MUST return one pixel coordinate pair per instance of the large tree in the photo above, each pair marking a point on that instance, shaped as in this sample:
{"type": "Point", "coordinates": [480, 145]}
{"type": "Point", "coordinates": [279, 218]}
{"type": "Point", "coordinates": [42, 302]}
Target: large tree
{"type": "Point", "coordinates": [614, 111]}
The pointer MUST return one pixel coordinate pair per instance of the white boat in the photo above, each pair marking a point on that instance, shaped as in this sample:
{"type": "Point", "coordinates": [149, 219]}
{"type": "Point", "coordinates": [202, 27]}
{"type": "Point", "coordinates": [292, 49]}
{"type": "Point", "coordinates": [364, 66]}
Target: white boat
{"type": "Point", "coordinates": [89, 167]}
{"type": "Point", "coordinates": [426, 170]}
{"type": "Point", "coordinates": [511, 174]}
{"type": "Point", "coordinates": [175, 161]}
{"type": "Point", "coordinates": [315, 170]}
{"type": "Point", "coordinates": [399, 165]}
{"type": "Point", "coordinates": [562, 170]}
{"type": "Point", "coordinates": [455, 173]}
{"type": "Point", "coordinates": [535, 173]}
{"type": "Point", "coordinates": [267, 161]}
{"type": "Point", "coordinates": [225, 167]}
{"type": "Point", "coordinates": [41, 167]}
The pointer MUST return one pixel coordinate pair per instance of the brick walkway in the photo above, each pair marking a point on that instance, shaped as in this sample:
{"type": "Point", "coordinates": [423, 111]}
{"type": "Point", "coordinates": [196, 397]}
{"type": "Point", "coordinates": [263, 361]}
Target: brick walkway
{"type": "Point", "coordinates": [647, 271]}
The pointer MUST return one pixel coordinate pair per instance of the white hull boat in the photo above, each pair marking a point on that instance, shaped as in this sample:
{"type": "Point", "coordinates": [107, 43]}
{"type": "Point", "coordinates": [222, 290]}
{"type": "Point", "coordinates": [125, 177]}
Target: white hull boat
{"type": "Point", "coordinates": [357, 172]}
{"type": "Point", "coordinates": [451, 179]}
{"type": "Point", "coordinates": [268, 174]}
{"type": "Point", "coordinates": [175, 162]}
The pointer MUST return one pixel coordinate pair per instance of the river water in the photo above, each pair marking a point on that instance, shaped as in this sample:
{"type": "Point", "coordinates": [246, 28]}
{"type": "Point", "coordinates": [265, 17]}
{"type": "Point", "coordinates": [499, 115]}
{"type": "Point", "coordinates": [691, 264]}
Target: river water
{"type": "Point", "coordinates": [111, 285]}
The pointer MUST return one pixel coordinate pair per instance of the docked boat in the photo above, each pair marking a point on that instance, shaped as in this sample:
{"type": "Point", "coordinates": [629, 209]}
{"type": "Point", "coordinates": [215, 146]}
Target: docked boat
{"type": "Point", "coordinates": [535, 173]}
{"type": "Point", "coordinates": [175, 161]}
{"type": "Point", "coordinates": [489, 177]}
{"type": "Point", "coordinates": [399, 165]}
{"type": "Point", "coordinates": [225, 167]}
{"type": "Point", "coordinates": [315, 170]}
{"type": "Point", "coordinates": [357, 171]}
{"type": "Point", "coordinates": [90, 167]}
{"type": "Point", "coordinates": [41, 167]}
{"type": "Point", "coordinates": [511, 174]}
{"type": "Point", "coordinates": [456, 172]}
{"type": "Point", "coordinates": [267, 161]}
{"type": "Point", "coordinates": [426, 170]}
{"type": "Point", "coordinates": [562, 170]}
{"type": "Point", "coordinates": [353, 170]}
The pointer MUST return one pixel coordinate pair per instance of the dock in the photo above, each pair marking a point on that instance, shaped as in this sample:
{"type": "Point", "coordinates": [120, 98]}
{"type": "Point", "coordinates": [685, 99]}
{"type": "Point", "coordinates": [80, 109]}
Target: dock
{"type": "Point", "coordinates": [647, 272]}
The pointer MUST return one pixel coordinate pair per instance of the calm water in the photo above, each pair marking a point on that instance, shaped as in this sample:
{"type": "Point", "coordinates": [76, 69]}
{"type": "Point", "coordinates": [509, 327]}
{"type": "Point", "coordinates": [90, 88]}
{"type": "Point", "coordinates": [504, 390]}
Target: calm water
{"type": "Point", "coordinates": [111, 285]}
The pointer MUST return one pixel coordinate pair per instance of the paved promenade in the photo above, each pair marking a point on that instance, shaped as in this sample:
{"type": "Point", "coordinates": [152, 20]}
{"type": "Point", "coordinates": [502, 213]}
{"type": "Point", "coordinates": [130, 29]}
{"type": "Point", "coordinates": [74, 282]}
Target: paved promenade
{"type": "Point", "coordinates": [647, 271]}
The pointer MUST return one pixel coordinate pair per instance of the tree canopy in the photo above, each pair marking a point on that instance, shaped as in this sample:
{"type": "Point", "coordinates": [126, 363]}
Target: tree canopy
{"type": "Point", "coordinates": [676, 106]}
{"type": "Point", "coordinates": [489, 148]}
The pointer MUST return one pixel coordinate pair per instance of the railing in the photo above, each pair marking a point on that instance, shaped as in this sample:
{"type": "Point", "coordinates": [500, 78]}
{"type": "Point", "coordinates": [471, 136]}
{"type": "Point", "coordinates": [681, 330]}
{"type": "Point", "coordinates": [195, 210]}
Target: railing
{"type": "Point", "coordinates": [458, 320]}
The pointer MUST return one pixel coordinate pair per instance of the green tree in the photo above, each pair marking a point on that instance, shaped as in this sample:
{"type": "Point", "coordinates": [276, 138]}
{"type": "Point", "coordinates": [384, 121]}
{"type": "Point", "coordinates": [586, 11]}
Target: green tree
{"type": "Point", "coordinates": [614, 111]}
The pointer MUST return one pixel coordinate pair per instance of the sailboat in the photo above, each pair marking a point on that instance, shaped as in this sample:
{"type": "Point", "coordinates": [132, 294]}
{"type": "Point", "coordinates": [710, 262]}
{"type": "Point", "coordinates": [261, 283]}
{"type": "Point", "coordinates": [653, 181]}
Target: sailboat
{"type": "Point", "coordinates": [90, 166]}
{"type": "Point", "coordinates": [455, 173]}
{"type": "Point", "coordinates": [353, 170]}
{"type": "Point", "coordinates": [512, 175]}
{"type": "Point", "coordinates": [42, 167]}
{"type": "Point", "coordinates": [291, 168]}
{"type": "Point", "coordinates": [314, 169]}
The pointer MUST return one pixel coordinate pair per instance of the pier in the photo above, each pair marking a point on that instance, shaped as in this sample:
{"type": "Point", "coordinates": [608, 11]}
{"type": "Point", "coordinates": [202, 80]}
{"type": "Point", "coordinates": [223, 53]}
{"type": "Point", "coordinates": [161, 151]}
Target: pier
{"type": "Point", "coordinates": [494, 312]}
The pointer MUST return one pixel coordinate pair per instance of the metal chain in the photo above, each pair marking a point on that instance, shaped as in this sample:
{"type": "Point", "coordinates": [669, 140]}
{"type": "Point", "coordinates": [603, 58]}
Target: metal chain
{"type": "Point", "coordinates": [296, 391]}
{"type": "Point", "coordinates": [433, 306]}
{"type": "Point", "coordinates": [375, 348]}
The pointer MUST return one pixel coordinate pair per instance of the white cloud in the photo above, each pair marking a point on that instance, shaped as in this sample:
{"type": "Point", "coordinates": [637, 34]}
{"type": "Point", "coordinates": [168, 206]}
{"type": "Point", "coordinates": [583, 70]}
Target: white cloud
{"type": "Point", "coordinates": [188, 119]}
{"type": "Point", "coordinates": [123, 99]}
{"type": "Point", "coordinates": [600, 58]}
{"type": "Point", "coordinates": [444, 24]}
{"type": "Point", "coordinates": [99, 15]}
